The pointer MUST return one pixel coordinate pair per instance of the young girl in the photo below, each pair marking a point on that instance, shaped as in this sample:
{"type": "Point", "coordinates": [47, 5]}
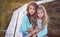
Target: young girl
{"type": "Point", "coordinates": [26, 20]}
{"type": "Point", "coordinates": [42, 21]}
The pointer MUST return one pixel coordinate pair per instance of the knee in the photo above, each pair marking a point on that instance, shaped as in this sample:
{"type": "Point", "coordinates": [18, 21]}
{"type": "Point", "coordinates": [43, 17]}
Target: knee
{"type": "Point", "coordinates": [35, 35]}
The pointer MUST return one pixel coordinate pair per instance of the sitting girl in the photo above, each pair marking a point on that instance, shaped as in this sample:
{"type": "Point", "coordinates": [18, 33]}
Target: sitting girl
{"type": "Point", "coordinates": [27, 19]}
{"type": "Point", "coordinates": [40, 27]}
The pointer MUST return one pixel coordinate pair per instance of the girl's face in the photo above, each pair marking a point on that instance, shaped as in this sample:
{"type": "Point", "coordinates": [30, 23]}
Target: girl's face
{"type": "Point", "coordinates": [31, 10]}
{"type": "Point", "coordinates": [40, 13]}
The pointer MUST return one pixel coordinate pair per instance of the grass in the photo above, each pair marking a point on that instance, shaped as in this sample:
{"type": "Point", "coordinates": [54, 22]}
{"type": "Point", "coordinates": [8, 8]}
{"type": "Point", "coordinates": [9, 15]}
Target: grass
{"type": "Point", "coordinates": [7, 8]}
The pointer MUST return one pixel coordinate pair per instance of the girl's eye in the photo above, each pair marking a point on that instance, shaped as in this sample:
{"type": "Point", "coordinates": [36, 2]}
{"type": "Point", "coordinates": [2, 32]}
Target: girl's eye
{"type": "Point", "coordinates": [34, 8]}
{"type": "Point", "coordinates": [41, 12]}
{"type": "Point", "coordinates": [30, 8]}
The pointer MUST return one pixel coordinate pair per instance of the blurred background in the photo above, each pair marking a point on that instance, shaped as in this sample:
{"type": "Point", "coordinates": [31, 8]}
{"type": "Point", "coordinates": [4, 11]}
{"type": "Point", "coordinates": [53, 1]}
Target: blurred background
{"type": "Point", "coordinates": [53, 9]}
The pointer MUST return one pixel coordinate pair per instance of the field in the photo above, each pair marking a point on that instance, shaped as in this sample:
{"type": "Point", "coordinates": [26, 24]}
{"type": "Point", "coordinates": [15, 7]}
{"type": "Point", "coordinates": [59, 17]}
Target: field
{"type": "Point", "coordinates": [53, 9]}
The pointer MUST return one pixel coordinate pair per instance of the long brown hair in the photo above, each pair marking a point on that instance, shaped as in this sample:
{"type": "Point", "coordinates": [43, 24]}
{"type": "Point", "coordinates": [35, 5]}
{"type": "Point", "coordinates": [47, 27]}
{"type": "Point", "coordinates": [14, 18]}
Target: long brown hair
{"type": "Point", "coordinates": [35, 14]}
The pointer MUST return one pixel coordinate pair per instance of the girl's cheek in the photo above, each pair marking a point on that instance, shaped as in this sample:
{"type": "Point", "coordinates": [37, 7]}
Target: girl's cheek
{"type": "Point", "coordinates": [38, 15]}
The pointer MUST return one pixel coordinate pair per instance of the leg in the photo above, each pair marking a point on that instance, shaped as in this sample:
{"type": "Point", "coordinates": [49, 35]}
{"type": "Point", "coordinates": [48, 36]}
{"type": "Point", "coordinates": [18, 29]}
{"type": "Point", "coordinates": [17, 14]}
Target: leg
{"type": "Point", "coordinates": [29, 35]}
{"type": "Point", "coordinates": [45, 36]}
{"type": "Point", "coordinates": [34, 35]}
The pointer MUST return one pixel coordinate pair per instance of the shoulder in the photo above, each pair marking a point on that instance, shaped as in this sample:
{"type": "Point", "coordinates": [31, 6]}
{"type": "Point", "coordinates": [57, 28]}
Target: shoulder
{"type": "Point", "coordinates": [24, 17]}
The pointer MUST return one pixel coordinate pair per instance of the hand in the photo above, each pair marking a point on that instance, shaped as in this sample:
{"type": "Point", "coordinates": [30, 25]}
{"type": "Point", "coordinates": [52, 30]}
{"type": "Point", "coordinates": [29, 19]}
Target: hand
{"type": "Point", "coordinates": [36, 28]}
{"type": "Point", "coordinates": [29, 30]}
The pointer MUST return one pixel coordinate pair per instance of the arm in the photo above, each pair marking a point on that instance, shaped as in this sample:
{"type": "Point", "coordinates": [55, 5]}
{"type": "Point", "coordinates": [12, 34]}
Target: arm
{"type": "Point", "coordinates": [36, 30]}
{"type": "Point", "coordinates": [23, 23]}
{"type": "Point", "coordinates": [29, 30]}
{"type": "Point", "coordinates": [31, 33]}
{"type": "Point", "coordinates": [39, 29]}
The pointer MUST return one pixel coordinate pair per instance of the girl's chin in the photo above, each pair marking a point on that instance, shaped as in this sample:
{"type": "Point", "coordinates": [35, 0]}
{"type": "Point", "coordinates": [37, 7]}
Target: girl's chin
{"type": "Point", "coordinates": [40, 17]}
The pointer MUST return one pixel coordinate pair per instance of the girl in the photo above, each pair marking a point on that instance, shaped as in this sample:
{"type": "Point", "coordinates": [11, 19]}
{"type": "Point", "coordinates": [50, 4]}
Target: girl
{"type": "Point", "coordinates": [42, 21]}
{"type": "Point", "coordinates": [26, 20]}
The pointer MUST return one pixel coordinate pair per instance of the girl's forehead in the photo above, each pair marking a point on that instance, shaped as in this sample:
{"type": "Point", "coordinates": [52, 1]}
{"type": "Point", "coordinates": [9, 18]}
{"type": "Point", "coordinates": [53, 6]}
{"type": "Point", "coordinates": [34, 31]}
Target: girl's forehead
{"type": "Point", "coordinates": [39, 10]}
{"type": "Point", "coordinates": [31, 6]}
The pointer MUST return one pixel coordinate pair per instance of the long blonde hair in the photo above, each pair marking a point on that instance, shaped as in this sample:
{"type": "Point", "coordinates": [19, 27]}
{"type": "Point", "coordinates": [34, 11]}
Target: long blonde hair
{"type": "Point", "coordinates": [45, 17]}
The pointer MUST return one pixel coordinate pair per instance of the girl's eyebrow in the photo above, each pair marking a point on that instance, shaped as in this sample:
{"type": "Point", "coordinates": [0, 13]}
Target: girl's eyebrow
{"type": "Point", "coordinates": [40, 8]}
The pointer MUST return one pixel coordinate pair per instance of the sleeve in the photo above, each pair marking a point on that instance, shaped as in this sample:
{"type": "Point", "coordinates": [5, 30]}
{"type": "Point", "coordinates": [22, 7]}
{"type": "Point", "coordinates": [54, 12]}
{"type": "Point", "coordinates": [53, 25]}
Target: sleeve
{"type": "Point", "coordinates": [23, 24]}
